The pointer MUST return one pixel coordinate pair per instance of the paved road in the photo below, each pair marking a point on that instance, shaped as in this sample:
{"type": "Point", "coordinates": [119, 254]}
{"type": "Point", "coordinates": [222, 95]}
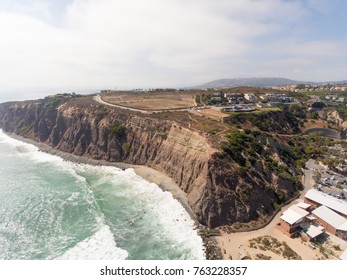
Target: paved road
{"type": "Point", "coordinates": [309, 172]}
{"type": "Point", "coordinates": [99, 100]}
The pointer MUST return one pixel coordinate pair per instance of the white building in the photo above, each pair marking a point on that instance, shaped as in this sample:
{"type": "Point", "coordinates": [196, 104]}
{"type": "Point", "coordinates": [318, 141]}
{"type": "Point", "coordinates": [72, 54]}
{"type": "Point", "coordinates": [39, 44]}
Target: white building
{"type": "Point", "coordinates": [251, 97]}
{"type": "Point", "coordinates": [318, 198]}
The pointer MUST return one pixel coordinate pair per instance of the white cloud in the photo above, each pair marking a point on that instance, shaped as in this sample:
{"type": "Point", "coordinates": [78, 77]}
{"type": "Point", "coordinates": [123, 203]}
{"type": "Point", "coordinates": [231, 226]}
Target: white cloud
{"type": "Point", "coordinates": [107, 43]}
{"type": "Point", "coordinates": [36, 8]}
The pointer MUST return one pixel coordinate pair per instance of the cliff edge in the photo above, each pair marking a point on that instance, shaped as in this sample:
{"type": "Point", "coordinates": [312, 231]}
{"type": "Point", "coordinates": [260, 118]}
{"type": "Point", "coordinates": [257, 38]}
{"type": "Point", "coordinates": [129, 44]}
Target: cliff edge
{"type": "Point", "coordinates": [230, 176]}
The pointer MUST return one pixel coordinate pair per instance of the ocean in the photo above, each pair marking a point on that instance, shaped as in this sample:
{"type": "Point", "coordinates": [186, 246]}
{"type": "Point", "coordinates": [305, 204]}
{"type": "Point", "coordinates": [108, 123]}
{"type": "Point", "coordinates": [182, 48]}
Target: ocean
{"type": "Point", "coordinates": [54, 209]}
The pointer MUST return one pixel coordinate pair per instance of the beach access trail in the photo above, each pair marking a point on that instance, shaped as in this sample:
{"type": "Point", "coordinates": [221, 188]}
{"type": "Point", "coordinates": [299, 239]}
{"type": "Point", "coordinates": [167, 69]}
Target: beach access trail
{"type": "Point", "coordinates": [236, 245]}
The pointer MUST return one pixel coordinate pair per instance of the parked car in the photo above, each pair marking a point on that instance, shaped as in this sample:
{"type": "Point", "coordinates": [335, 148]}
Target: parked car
{"type": "Point", "coordinates": [341, 196]}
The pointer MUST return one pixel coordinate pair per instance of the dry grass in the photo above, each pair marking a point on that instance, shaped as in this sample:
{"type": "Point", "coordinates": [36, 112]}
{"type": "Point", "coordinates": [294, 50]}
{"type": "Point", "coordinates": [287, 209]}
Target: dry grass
{"type": "Point", "coordinates": [214, 114]}
{"type": "Point", "coordinates": [269, 243]}
{"type": "Point", "coordinates": [152, 100]}
{"type": "Point", "coordinates": [316, 124]}
{"type": "Point", "coordinates": [262, 257]}
{"type": "Point", "coordinates": [193, 121]}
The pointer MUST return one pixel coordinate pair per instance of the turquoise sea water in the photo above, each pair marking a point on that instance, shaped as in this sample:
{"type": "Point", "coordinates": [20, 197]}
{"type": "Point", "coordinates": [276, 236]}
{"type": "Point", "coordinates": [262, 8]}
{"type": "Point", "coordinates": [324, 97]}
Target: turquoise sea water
{"type": "Point", "coordinates": [54, 209]}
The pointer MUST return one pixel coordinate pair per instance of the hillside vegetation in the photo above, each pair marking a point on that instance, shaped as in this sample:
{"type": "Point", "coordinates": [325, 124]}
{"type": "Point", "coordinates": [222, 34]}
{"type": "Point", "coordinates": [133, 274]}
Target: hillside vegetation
{"type": "Point", "coordinates": [239, 171]}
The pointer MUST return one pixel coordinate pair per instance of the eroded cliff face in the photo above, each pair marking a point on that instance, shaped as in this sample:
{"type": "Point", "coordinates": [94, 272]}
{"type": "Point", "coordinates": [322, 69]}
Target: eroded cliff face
{"type": "Point", "coordinates": [334, 117]}
{"type": "Point", "coordinates": [218, 191]}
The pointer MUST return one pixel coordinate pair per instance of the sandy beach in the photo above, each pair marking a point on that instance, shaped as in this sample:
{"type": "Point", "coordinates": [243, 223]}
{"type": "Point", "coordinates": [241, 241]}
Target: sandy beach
{"type": "Point", "coordinates": [149, 174]}
{"type": "Point", "coordinates": [212, 249]}
{"type": "Point", "coordinates": [237, 246]}
{"type": "Point", "coordinates": [232, 245]}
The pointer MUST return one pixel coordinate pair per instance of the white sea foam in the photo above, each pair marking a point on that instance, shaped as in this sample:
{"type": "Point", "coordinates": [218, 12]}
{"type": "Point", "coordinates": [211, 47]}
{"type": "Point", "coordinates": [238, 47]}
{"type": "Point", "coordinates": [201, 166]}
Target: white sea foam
{"type": "Point", "coordinates": [172, 219]}
{"type": "Point", "coordinates": [21, 148]}
{"type": "Point", "coordinates": [100, 246]}
{"type": "Point", "coordinates": [170, 216]}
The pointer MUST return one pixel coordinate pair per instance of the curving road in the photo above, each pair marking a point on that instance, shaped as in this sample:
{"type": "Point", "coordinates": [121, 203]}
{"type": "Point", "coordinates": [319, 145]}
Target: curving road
{"type": "Point", "coordinates": [99, 100]}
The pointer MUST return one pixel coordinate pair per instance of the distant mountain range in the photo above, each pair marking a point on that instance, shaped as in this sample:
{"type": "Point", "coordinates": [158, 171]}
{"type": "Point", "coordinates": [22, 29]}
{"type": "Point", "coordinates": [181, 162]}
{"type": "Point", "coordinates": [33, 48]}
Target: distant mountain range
{"type": "Point", "coordinates": [258, 82]}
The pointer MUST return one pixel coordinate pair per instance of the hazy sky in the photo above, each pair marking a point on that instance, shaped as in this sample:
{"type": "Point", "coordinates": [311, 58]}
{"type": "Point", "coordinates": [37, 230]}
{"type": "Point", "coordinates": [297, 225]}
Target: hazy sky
{"type": "Point", "coordinates": [75, 45]}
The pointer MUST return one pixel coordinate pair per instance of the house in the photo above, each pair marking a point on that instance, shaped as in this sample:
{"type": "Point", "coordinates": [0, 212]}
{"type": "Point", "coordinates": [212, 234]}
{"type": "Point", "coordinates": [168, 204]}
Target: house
{"type": "Point", "coordinates": [234, 98]}
{"type": "Point", "coordinates": [331, 97]}
{"type": "Point", "coordinates": [250, 97]}
{"type": "Point", "coordinates": [330, 220]}
{"type": "Point", "coordinates": [291, 220]}
{"type": "Point", "coordinates": [317, 198]}
{"type": "Point", "coordinates": [271, 97]}
{"type": "Point", "coordinates": [216, 97]}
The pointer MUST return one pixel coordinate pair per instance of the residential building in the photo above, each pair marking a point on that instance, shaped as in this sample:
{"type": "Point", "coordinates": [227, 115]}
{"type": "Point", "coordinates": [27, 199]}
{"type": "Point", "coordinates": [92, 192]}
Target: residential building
{"type": "Point", "coordinates": [272, 97]}
{"type": "Point", "coordinates": [250, 97]}
{"type": "Point", "coordinates": [235, 98]}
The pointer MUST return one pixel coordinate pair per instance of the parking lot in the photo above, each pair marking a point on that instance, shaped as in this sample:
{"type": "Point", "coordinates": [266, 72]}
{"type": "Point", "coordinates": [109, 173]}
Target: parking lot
{"type": "Point", "coordinates": [332, 183]}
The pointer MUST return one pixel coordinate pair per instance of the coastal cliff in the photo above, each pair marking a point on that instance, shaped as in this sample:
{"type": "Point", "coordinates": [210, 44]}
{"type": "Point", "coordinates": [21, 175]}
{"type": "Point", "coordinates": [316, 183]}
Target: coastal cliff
{"type": "Point", "coordinates": [225, 182]}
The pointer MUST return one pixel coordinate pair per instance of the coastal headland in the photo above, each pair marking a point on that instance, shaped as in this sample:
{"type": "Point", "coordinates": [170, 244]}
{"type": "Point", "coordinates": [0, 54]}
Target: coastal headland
{"type": "Point", "coordinates": [228, 174]}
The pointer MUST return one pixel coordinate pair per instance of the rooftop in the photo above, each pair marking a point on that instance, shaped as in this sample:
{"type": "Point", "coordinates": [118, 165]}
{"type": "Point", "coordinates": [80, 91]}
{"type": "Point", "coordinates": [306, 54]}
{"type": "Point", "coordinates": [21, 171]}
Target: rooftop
{"type": "Point", "coordinates": [294, 214]}
{"type": "Point", "coordinates": [329, 216]}
{"type": "Point", "coordinates": [299, 210]}
{"type": "Point", "coordinates": [303, 205]}
{"type": "Point", "coordinates": [291, 217]}
{"type": "Point", "coordinates": [328, 201]}
{"type": "Point", "coordinates": [312, 230]}
{"type": "Point", "coordinates": [343, 226]}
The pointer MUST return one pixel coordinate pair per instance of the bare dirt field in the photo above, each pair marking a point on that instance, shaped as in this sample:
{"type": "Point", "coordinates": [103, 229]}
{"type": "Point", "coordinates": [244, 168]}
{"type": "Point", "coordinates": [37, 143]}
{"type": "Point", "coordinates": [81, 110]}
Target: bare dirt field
{"type": "Point", "coordinates": [213, 114]}
{"type": "Point", "coordinates": [151, 100]}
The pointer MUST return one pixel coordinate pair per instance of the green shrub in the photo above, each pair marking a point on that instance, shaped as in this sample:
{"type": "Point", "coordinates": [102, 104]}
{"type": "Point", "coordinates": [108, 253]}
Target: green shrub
{"type": "Point", "coordinates": [289, 253]}
{"type": "Point", "coordinates": [127, 148]}
{"type": "Point", "coordinates": [100, 115]}
{"type": "Point", "coordinates": [275, 206]}
{"type": "Point", "coordinates": [266, 242]}
{"type": "Point", "coordinates": [119, 130]}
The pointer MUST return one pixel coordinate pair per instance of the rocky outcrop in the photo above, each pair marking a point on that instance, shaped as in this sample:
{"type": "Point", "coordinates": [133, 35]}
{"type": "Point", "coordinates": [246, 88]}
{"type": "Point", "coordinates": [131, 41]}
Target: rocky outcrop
{"type": "Point", "coordinates": [334, 117]}
{"type": "Point", "coordinates": [219, 190]}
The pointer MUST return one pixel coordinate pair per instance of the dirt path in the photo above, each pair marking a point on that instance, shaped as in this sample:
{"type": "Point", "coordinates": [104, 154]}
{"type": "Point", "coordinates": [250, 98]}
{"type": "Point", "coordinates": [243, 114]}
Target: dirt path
{"type": "Point", "coordinates": [236, 245]}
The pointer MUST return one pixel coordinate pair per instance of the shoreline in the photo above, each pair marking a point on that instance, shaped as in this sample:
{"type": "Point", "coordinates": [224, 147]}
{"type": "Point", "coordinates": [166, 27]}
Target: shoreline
{"type": "Point", "coordinates": [231, 245]}
{"type": "Point", "coordinates": [164, 182]}
{"type": "Point", "coordinates": [149, 174]}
